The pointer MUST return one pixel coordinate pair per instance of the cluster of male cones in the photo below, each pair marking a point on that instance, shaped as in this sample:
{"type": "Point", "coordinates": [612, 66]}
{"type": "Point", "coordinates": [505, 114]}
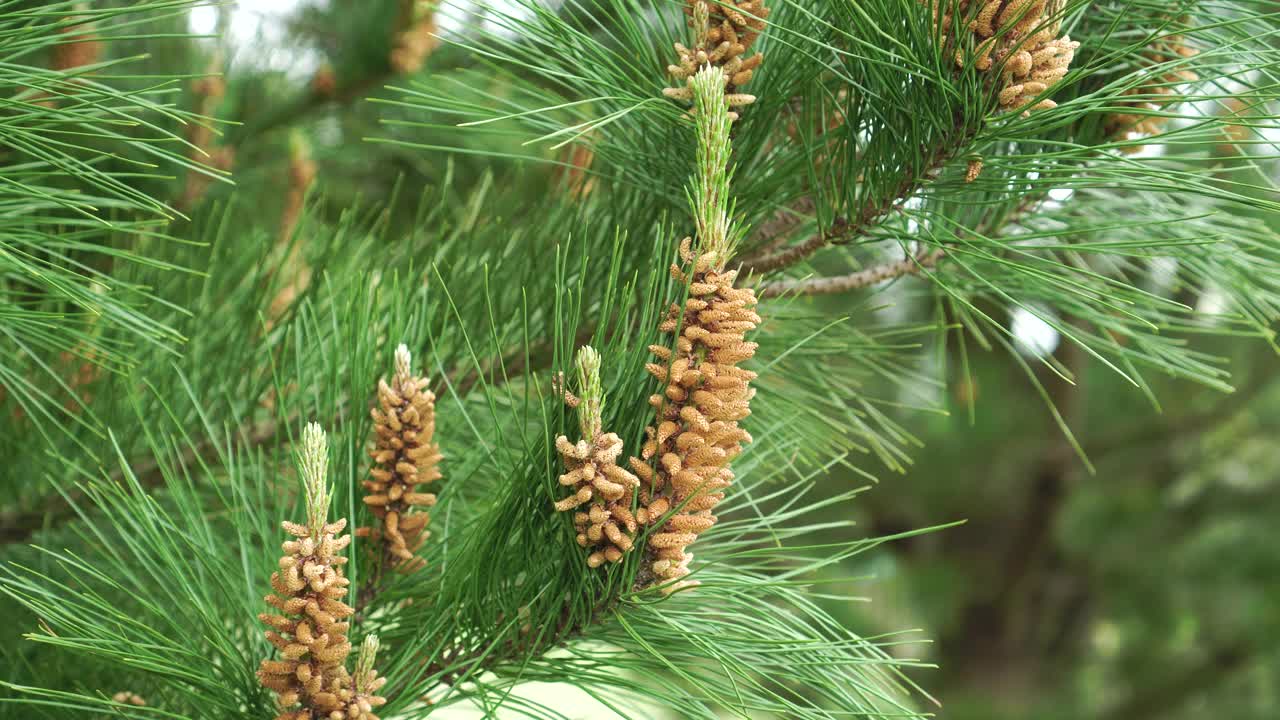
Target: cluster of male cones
{"type": "Point", "coordinates": [405, 456]}
{"type": "Point", "coordinates": [684, 462]}
{"type": "Point", "coordinates": [413, 44]}
{"type": "Point", "coordinates": [309, 628]}
{"type": "Point", "coordinates": [674, 486]}
{"type": "Point", "coordinates": [204, 148]}
{"type": "Point", "coordinates": [311, 623]}
{"type": "Point", "coordinates": [723, 32]}
{"type": "Point", "coordinates": [683, 469]}
{"type": "Point", "coordinates": [1017, 37]}
{"type": "Point", "coordinates": [1167, 57]}
{"type": "Point", "coordinates": [79, 46]}
{"type": "Point", "coordinates": [684, 466]}
{"type": "Point", "coordinates": [603, 492]}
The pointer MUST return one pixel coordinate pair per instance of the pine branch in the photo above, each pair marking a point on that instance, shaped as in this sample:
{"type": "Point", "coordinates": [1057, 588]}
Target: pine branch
{"type": "Point", "coordinates": [160, 580]}
{"type": "Point", "coordinates": [314, 100]}
{"type": "Point", "coordinates": [769, 237]}
{"type": "Point", "coordinates": [925, 259]}
{"type": "Point", "coordinates": [462, 381]}
{"type": "Point", "coordinates": [842, 230]}
{"type": "Point", "coordinates": [796, 253]}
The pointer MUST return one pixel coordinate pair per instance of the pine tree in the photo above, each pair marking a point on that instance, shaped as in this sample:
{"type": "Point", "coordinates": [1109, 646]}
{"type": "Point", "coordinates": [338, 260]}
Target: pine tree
{"type": "Point", "coordinates": [592, 301]}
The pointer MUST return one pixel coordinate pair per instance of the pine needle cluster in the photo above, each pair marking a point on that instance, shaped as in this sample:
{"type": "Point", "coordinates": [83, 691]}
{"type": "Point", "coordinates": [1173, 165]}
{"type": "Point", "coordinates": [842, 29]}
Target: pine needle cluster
{"type": "Point", "coordinates": [863, 157]}
{"type": "Point", "coordinates": [405, 456]}
{"type": "Point", "coordinates": [606, 526]}
{"type": "Point", "coordinates": [301, 174]}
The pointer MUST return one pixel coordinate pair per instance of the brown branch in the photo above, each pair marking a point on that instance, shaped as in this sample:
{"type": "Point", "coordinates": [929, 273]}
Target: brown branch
{"type": "Point", "coordinates": [853, 281]}
{"type": "Point", "coordinates": [843, 230]}
{"type": "Point", "coordinates": [772, 233]}
{"type": "Point", "coordinates": [772, 236]}
{"type": "Point", "coordinates": [879, 273]}
{"type": "Point", "coordinates": [796, 253]}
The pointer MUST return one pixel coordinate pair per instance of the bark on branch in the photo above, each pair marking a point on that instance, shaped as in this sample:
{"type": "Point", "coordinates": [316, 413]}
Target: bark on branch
{"type": "Point", "coordinates": [844, 229]}
{"type": "Point", "coordinates": [853, 281]}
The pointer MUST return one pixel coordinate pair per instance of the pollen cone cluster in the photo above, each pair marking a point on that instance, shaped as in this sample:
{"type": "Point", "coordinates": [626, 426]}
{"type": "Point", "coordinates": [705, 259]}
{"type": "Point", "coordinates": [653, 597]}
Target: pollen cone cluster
{"type": "Point", "coordinates": [1017, 37]}
{"type": "Point", "coordinates": [301, 174]}
{"type": "Point", "coordinates": [366, 683]}
{"type": "Point", "coordinates": [1166, 73]}
{"type": "Point", "coordinates": [124, 696]}
{"type": "Point", "coordinates": [207, 93]}
{"type": "Point", "coordinates": [573, 174]}
{"type": "Point", "coordinates": [684, 464]}
{"type": "Point", "coordinates": [292, 269]}
{"type": "Point", "coordinates": [309, 630]}
{"type": "Point", "coordinates": [603, 493]}
{"type": "Point", "coordinates": [413, 45]}
{"type": "Point", "coordinates": [404, 457]}
{"type": "Point", "coordinates": [722, 35]}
